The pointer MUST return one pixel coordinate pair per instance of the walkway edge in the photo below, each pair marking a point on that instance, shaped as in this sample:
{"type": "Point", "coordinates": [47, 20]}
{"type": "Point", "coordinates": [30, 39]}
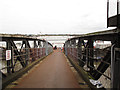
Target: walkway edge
{"type": "Point", "coordinates": [82, 73]}
{"type": "Point", "coordinates": [18, 74]}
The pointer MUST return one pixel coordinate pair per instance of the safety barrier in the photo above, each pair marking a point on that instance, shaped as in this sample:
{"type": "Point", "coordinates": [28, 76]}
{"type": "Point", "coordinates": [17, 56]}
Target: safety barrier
{"type": "Point", "coordinates": [14, 59]}
{"type": "Point", "coordinates": [101, 62]}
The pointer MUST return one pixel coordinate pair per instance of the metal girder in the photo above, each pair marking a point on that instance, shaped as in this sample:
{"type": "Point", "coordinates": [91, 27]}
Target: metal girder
{"type": "Point", "coordinates": [5, 38]}
{"type": "Point", "coordinates": [97, 71]}
{"type": "Point", "coordinates": [80, 52]}
{"type": "Point", "coordinates": [90, 54]}
{"type": "Point", "coordinates": [18, 53]}
{"type": "Point", "coordinates": [108, 35]}
{"type": "Point", "coordinates": [102, 67]}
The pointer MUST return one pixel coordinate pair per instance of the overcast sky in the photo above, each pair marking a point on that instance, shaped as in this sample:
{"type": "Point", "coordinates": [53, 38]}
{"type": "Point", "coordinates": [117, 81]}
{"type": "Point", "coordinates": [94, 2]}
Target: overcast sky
{"type": "Point", "coordinates": [52, 16]}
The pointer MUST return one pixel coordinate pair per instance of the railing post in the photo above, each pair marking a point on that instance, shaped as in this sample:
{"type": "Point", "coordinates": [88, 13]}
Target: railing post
{"type": "Point", "coordinates": [46, 48]}
{"type": "Point", "coordinates": [90, 55]}
{"type": "Point", "coordinates": [40, 48]}
{"type": "Point", "coordinates": [12, 59]}
{"type": "Point", "coordinates": [35, 53]}
{"type": "Point", "coordinates": [26, 52]}
{"type": "Point", "coordinates": [80, 52]}
{"type": "Point", "coordinates": [8, 61]}
{"type": "Point", "coordinates": [66, 46]}
{"type": "Point", "coordinates": [68, 52]}
{"type": "Point", "coordinates": [70, 46]}
{"type": "Point", "coordinates": [84, 54]}
{"type": "Point", "coordinates": [73, 48]}
{"type": "Point", "coordinates": [35, 45]}
{"type": "Point", "coordinates": [39, 43]}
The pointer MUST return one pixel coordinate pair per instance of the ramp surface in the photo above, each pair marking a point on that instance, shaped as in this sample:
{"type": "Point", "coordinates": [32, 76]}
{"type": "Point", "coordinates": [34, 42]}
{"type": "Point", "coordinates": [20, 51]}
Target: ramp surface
{"type": "Point", "coordinates": [52, 72]}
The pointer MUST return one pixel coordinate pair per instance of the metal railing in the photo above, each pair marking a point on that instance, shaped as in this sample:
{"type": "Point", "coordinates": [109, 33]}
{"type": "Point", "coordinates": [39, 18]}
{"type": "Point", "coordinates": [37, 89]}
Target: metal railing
{"type": "Point", "coordinates": [28, 56]}
{"type": "Point", "coordinates": [97, 65]}
{"type": "Point", "coordinates": [20, 58]}
{"type": "Point", "coordinates": [73, 53]}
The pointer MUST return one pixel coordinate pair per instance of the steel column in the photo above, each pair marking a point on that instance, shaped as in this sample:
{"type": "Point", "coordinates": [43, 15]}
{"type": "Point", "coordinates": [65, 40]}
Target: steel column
{"type": "Point", "coordinates": [8, 61]}
{"type": "Point", "coordinates": [66, 46]}
{"type": "Point", "coordinates": [27, 52]}
{"type": "Point", "coordinates": [12, 59]}
{"type": "Point", "coordinates": [80, 52]}
{"type": "Point", "coordinates": [17, 53]}
{"type": "Point", "coordinates": [46, 48]}
{"type": "Point", "coordinates": [116, 66]}
{"type": "Point", "coordinates": [90, 55]}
